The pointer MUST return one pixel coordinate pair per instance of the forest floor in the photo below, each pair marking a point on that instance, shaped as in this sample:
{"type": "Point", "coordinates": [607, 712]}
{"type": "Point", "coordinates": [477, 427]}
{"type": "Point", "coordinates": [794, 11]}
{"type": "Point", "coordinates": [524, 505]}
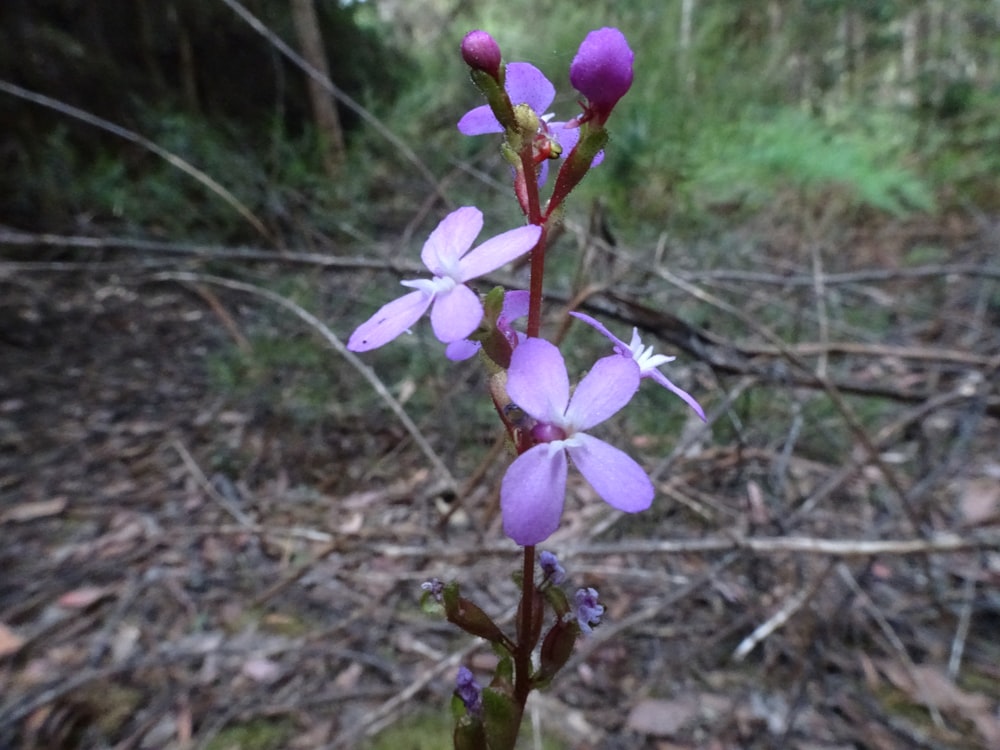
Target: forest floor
{"type": "Point", "coordinates": [186, 566]}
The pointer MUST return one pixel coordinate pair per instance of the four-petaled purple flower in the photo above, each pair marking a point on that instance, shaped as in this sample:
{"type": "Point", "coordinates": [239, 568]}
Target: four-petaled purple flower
{"type": "Point", "coordinates": [526, 84]}
{"type": "Point", "coordinates": [588, 611]}
{"type": "Point", "coordinates": [602, 72]}
{"type": "Point", "coordinates": [456, 309]}
{"type": "Point", "coordinates": [534, 488]}
{"type": "Point", "coordinates": [469, 691]}
{"type": "Point", "coordinates": [648, 361]}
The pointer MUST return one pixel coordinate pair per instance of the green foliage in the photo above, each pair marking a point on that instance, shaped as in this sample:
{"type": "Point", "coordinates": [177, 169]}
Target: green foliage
{"type": "Point", "coordinates": [291, 375]}
{"type": "Point", "coordinates": [258, 734]}
{"type": "Point", "coordinates": [433, 731]}
{"type": "Point", "coordinates": [761, 156]}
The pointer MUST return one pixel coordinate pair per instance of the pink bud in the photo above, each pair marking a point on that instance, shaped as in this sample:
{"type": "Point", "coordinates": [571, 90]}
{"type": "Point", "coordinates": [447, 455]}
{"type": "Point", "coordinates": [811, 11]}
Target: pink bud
{"type": "Point", "coordinates": [481, 52]}
{"type": "Point", "coordinates": [602, 71]}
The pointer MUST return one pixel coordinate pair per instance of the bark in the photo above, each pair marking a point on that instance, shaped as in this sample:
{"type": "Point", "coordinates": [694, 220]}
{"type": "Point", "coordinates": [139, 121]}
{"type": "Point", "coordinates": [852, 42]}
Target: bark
{"type": "Point", "coordinates": [324, 107]}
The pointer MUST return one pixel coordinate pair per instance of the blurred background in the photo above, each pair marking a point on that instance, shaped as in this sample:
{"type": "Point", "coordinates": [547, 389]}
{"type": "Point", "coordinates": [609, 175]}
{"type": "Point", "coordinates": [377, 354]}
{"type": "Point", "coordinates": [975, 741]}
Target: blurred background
{"type": "Point", "coordinates": [216, 521]}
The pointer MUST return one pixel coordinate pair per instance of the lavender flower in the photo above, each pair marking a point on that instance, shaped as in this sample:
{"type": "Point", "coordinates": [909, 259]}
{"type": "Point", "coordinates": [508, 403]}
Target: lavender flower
{"type": "Point", "coordinates": [588, 611]}
{"type": "Point", "coordinates": [534, 488]}
{"type": "Point", "coordinates": [551, 569]}
{"type": "Point", "coordinates": [648, 361]}
{"type": "Point", "coordinates": [602, 72]}
{"type": "Point", "coordinates": [526, 84]}
{"type": "Point", "coordinates": [456, 309]}
{"type": "Point", "coordinates": [469, 691]}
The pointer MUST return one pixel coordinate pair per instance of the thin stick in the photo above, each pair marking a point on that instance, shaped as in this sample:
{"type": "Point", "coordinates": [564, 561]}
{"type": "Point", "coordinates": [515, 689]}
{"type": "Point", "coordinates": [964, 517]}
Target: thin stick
{"type": "Point", "coordinates": [779, 618]}
{"type": "Point", "coordinates": [199, 476]}
{"type": "Point", "coordinates": [895, 641]}
{"type": "Point", "coordinates": [962, 631]}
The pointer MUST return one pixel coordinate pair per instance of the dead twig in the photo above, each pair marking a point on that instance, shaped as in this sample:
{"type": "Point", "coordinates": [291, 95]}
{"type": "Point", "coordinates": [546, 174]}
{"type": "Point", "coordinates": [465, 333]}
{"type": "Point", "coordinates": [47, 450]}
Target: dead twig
{"type": "Point", "coordinates": [783, 615]}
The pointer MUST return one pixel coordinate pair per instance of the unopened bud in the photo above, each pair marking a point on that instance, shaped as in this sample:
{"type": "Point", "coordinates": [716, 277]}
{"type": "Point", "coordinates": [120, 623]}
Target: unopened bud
{"type": "Point", "coordinates": [481, 52]}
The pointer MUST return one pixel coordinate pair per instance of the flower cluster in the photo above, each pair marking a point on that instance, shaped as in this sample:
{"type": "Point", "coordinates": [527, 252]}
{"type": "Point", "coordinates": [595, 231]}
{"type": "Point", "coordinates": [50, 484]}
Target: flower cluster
{"type": "Point", "coordinates": [548, 421]}
{"type": "Point", "coordinates": [554, 430]}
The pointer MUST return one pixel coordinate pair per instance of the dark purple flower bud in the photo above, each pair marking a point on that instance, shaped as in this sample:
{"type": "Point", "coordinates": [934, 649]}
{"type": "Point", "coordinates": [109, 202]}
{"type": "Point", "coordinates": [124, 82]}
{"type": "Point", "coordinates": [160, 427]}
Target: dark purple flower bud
{"type": "Point", "coordinates": [469, 691]}
{"type": "Point", "coordinates": [602, 72]}
{"type": "Point", "coordinates": [588, 611]}
{"type": "Point", "coordinates": [551, 568]}
{"type": "Point", "coordinates": [481, 52]}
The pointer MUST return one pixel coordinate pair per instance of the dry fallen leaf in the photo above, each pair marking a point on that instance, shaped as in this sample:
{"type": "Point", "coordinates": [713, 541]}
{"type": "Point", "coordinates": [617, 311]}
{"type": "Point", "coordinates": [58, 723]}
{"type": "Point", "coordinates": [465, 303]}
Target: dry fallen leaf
{"type": "Point", "coordinates": [260, 669]}
{"type": "Point", "coordinates": [10, 642]}
{"type": "Point", "coordinates": [83, 597]}
{"type": "Point", "coordinates": [31, 511]}
{"type": "Point", "coordinates": [662, 718]}
{"type": "Point", "coordinates": [928, 684]}
{"type": "Point", "coordinates": [980, 502]}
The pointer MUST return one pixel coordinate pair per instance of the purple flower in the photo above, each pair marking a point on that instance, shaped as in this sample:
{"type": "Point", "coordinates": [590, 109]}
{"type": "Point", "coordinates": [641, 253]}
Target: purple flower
{"type": "Point", "coordinates": [587, 609]}
{"type": "Point", "coordinates": [534, 488]}
{"type": "Point", "coordinates": [648, 361]}
{"type": "Point", "coordinates": [602, 71]}
{"type": "Point", "coordinates": [515, 305]}
{"type": "Point", "coordinates": [526, 84]}
{"type": "Point", "coordinates": [468, 690]}
{"type": "Point", "coordinates": [551, 569]}
{"type": "Point", "coordinates": [456, 309]}
{"type": "Point", "coordinates": [481, 52]}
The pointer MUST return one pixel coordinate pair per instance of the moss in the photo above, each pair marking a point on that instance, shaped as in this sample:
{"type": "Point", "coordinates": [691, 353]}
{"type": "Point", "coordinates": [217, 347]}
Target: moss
{"type": "Point", "coordinates": [258, 734]}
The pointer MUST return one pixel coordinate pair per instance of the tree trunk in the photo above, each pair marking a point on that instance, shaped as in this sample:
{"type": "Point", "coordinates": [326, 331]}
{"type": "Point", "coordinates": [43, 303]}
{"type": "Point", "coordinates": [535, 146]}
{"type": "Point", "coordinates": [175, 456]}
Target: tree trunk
{"type": "Point", "coordinates": [324, 108]}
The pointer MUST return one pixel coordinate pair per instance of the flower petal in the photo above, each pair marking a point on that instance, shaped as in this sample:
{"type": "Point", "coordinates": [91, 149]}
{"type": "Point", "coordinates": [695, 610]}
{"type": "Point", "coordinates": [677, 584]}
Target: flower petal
{"type": "Point", "coordinates": [498, 251]}
{"type": "Point", "coordinates": [389, 321]}
{"type": "Point", "coordinates": [451, 239]}
{"type": "Point", "coordinates": [456, 314]}
{"type": "Point", "coordinates": [618, 479]}
{"type": "Point", "coordinates": [537, 380]}
{"type": "Point", "coordinates": [532, 494]}
{"type": "Point", "coordinates": [526, 84]}
{"type": "Point", "coordinates": [568, 138]}
{"type": "Point", "coordinates": [688, 399]}
{"type": "Point", "coordinates": [479, 121]}
{"type": "Point", "coordinates": [609, 385]}
{"type": "Point", "coordinates": [515, 305]}
{"type": "Point", "coordinates": [464, 349]}
{"type": "Point", "coordinates": [600, 327]}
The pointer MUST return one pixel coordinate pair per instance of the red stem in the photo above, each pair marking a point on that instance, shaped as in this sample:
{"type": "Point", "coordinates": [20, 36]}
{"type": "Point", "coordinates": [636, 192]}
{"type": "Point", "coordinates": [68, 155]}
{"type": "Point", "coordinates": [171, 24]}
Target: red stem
{"type": "Point", "coordinates": [522, 655]}
{"type": "Point", "coordinates": [534, 210]}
